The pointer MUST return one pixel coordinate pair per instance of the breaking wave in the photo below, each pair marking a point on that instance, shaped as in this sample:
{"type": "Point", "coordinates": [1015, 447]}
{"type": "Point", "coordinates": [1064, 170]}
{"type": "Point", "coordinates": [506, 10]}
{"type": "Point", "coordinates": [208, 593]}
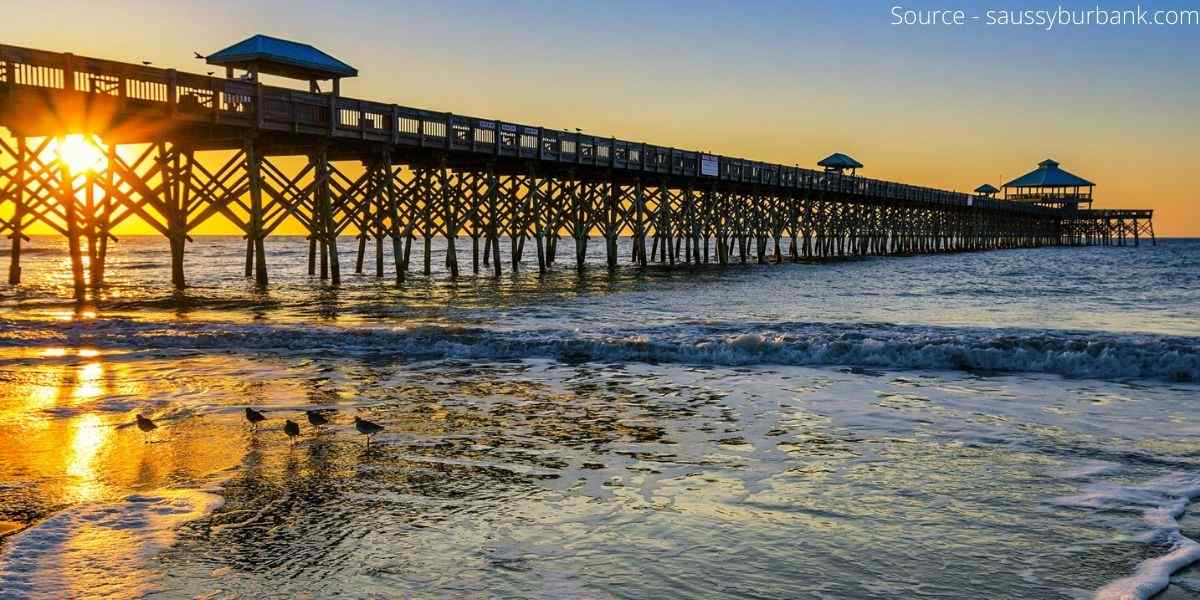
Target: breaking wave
{"type": "Point", "coordinates": [1094, 355]}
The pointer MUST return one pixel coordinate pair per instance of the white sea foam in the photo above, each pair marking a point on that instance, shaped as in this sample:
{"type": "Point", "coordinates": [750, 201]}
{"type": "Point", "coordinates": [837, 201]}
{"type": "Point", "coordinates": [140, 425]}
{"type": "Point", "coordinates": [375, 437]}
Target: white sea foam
{"type": "Point", "coordinates": [101, 550]}
{"type": "Point", "coordinates": [1161, 502]}
{"type": "Point", "coordinates": [1071, 354]}
{"type": "Point", "coordinates": [1092, 469]}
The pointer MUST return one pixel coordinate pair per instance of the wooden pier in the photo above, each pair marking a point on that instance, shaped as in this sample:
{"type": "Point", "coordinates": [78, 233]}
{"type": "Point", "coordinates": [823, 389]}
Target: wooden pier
{"type": "Point", "coordinates": [175, 149]}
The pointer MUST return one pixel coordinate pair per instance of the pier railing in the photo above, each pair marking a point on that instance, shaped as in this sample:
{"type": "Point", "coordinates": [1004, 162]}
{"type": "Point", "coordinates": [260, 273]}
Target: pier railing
{"type": "Point", "coordinates": [188, 97]}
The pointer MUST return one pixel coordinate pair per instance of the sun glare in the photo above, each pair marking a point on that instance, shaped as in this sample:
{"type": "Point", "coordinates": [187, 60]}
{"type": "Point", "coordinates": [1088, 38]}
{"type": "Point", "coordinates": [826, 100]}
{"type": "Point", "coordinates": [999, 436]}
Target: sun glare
{"type": "Point", "coordinates": [80, 156]}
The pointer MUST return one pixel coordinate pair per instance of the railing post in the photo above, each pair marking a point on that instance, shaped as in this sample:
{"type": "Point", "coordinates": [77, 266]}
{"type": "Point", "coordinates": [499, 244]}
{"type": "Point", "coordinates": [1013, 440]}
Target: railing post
{"type": "Point", "coordinates": [293, 118]}
{"type": "Point", "coordinates": [362, 121]}
{"type": "Point", "coordinates": [395, 125]}
{"type": "Point", "coordinates": [333, 116]}
{"type": "Point", "coordinates": [259, 116]}
{"type": "Point", "coordinates": [214, 95]}
{"type": "Point", "coordinates": [69, 72]}
{"type": "Point", "coordinates": [173, 91]}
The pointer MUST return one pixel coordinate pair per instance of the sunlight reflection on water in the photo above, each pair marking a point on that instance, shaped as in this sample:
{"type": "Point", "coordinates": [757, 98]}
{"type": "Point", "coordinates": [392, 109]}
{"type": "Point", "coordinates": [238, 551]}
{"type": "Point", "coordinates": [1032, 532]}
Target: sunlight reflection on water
{"type": "Point", "coordinates": [87, 439]}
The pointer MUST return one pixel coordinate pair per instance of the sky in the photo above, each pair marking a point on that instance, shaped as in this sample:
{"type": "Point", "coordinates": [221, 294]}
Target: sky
{"type": "Point", "coordinates": [782, 81]}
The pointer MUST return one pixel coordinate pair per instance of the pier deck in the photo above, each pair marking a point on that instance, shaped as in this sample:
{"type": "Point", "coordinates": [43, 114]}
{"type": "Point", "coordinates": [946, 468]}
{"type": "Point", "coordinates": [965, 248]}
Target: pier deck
{"type": "Point", "coordinates": [208, 146]}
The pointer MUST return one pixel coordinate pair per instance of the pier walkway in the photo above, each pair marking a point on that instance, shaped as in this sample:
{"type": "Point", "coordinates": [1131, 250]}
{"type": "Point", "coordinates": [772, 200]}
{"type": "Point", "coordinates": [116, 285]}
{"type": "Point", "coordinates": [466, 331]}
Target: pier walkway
{"type": "Point", "coordinates": [194, 147]}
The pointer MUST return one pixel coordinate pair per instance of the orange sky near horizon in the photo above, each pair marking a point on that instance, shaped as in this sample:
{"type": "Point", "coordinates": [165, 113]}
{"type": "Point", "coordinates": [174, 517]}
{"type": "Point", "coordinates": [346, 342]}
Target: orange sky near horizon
{"type": "Point", "coordinates": [841, 83]}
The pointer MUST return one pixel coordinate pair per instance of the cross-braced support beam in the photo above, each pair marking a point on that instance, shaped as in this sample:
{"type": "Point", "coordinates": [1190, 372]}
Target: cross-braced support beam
{"type": "Point", "coordinates": [174, 188]}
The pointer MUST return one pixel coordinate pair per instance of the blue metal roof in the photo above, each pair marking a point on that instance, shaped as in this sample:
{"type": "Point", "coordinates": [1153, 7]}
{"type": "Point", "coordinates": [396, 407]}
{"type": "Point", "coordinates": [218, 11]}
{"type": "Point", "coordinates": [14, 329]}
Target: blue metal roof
{"type": "Point", "coordinates": [986, 188]}
{"type": "Point", "coordinates": [290, 57]}
{"type": "Point", "coordinates": [1048, 175]}
{"type": "Point", "coordinates": [837, 160]}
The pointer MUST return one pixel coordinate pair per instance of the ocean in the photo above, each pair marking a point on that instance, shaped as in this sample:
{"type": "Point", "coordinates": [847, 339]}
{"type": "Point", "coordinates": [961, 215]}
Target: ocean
{"type": "Point", "coordinates": [1006, 424]}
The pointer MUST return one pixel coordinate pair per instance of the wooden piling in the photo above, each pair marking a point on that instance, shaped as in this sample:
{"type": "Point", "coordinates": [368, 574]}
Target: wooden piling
{"type": "Point", "coordinates": [255, 238]}
{"type": "Point", "coordinates": [170, 170]}
{"type": "Point", "coordinates": [90, 210]}
{"type": "Point", "coordinates": [70, 210]}
{"type": "Point", "coordinates": [494, 212]}
{"type": "Point", "coordinates": [449, 218]}
{"type": "Point", "coordinates": [326, 232]}
{"type": "Point", "coordinates": [108, 204]}
{"type": "Point", "coordinates": [394, 231]}
{"type": "Point", "coordinates": [21, 168]}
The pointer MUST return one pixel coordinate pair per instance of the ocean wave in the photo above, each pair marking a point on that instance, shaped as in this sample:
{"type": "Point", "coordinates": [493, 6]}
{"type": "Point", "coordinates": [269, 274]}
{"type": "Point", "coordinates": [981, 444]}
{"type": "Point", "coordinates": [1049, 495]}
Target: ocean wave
{"type": "Point", "coordinates": [1094, 355]}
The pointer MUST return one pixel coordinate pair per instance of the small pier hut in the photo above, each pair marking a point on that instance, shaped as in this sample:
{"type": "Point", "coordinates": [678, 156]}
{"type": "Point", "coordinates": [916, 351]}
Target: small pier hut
{"type": "Point", "coordinates": [273, 56]}
{"type": "Point", "coordinates": [840, 163]}
{"type": "Point", "coordinates": [1050, 186]}
{"type": "Point", "coordinates": [987, 190]}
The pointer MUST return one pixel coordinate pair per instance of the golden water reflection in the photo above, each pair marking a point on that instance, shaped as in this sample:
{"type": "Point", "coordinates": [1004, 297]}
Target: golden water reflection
{"type": "Point", "coordinates": [88, 438]}
{"type": "Point", "coordinates": [66, 433]}
{"type": "Point", "coordinates": [32, 399]}
{"type": "Point", "coordinates": [88, 379]}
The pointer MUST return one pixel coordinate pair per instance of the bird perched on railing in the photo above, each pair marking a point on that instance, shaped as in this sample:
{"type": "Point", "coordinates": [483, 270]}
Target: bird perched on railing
{"type": "Point", "coordinates": [367, 428]}
{"type": "Point", "coordinates": [254, 417]}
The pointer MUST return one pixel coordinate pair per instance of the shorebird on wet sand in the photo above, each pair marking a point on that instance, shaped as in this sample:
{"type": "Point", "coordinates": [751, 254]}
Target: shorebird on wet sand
{"type": "Point", "coordinates": [254, 417]}
{"type": "Point", "coordinates": [145, 425]}
{"type": "Point", "coordinates": [315, 418]}
{"type": "Point", "coordinates": [291, 429]}
{"type": "Point", "coordinates": [367, 428]}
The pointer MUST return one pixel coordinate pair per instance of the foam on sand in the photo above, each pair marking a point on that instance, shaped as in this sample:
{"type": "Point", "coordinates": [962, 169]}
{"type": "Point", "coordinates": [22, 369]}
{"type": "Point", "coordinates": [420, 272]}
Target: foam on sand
{"type": "Point", "coordinates": [100, 550]}
{"type": "Point", "coordinates": [1161, 502]}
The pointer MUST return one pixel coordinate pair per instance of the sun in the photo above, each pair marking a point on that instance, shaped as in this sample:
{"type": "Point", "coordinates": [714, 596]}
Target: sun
{"type": "Point", "coordinates": [80, 156]}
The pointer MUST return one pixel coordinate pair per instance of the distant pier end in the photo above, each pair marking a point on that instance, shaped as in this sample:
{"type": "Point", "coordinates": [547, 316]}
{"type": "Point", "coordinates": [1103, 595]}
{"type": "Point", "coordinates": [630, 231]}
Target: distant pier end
{"type": "Point", "coordinates": [194, 146]}
{"type": "Point", "coordinates": [1051, 186]}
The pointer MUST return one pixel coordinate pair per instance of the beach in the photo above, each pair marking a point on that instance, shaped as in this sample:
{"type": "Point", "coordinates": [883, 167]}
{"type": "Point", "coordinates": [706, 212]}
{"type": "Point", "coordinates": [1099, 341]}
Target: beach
{"type": "Point", "coordinates": [1006, 424]}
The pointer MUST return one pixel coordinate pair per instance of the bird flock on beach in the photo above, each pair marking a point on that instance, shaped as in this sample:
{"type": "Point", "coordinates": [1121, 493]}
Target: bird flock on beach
{"type": "Point", "coordinates": [315, 418]}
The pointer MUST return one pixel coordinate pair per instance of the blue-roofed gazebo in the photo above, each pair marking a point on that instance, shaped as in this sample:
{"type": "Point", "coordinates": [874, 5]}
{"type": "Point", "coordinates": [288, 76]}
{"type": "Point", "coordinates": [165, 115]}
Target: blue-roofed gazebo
{"type": "Point", "coordinates": [1050, 185]}
{"type": "Point", "coordinates": [273, 56]}
{"type": "Point", "coordinates": [840, 163]}
{"type": "Point", "coordinates": [988, 190]}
